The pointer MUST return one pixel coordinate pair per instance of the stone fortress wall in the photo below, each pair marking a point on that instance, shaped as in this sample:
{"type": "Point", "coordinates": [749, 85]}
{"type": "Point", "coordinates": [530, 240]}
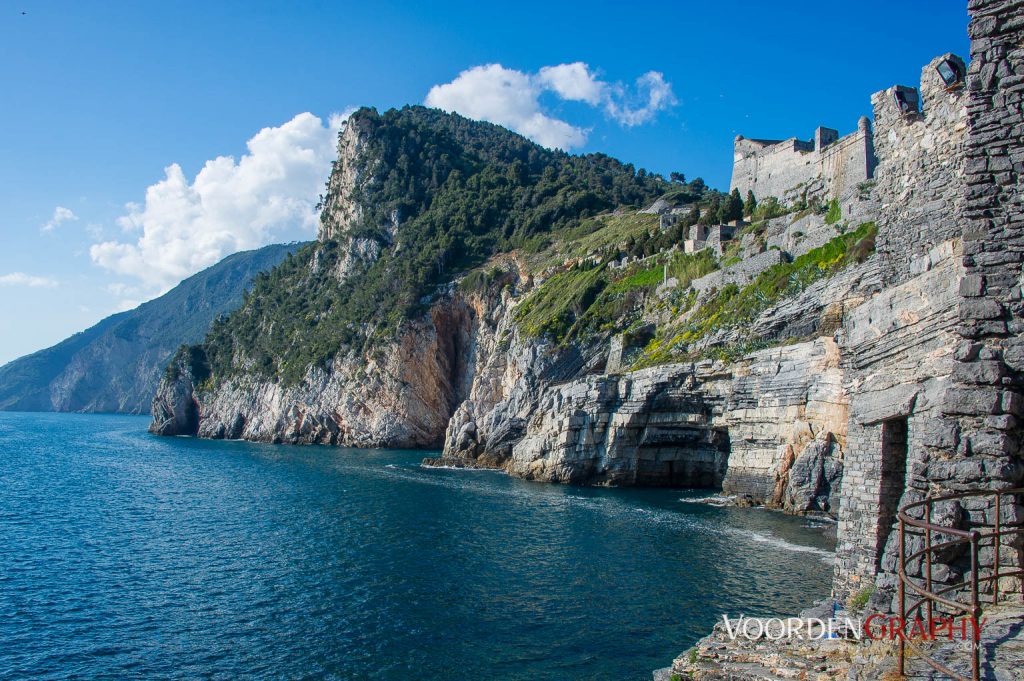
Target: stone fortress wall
{"type": "Point", "coordinates": [826, 167]}
{"type": "Point", "coordinates": [935, 364]}
{"type": "Point", "coordinates": [932, 363]}
{"type": "Point", "coordinates": [920, 180]}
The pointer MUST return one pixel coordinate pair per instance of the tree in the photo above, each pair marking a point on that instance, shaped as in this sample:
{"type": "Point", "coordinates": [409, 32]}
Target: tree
{"type": "Point", "coordinates": [677, 178]}
{"type": "Point", "coordinates": [731, 208]}
{"type": "Point", "coordinates": [698, 185]}
{"type": "Point", "coordinates": [694, 216]}
{"type": "Point", "coordinates": [750, 205]}
{"type": "Point", "coordinates": [711, 214]}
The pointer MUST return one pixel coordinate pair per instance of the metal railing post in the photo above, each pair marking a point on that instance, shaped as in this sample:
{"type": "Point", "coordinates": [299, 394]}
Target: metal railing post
{"type": "Point", "coordinates": [928, 558]}
{"type": "Point", "coordinates": [975, 610]}
{"type": "Point", "coordinates": [903, 597]}
{"type": "Point", "coordinates": [997, 539]}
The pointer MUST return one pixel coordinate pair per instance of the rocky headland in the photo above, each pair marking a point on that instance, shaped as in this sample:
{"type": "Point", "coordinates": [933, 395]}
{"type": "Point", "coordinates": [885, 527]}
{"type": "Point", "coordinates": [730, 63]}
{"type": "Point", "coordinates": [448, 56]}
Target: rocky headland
{"type": "Point", "coordinates": [839, 334]}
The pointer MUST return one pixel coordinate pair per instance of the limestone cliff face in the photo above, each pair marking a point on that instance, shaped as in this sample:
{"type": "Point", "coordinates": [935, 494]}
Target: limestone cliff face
{"type": "Point", "coordinates": [786, 412]}
{"type": "Point", "coordinates": [651, 427]}
{"type": "Point", "coordinates": [769, 428]}
{"type": "Point", "coordinates": [175, 410]}
{"type": "Point", "coordinates": [341, 208]}
{"type": "Point", "coordinates": [463, 374]}
{"type": "Point", "coordinates": [398, 395]}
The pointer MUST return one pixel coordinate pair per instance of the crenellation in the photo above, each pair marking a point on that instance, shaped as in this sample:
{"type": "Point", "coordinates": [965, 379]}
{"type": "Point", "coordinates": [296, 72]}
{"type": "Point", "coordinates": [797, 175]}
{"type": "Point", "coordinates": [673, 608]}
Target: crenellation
{"type": "Point", "coordinates": [921, 168]}
{"type": "Point", "coordinates": [825, 167]}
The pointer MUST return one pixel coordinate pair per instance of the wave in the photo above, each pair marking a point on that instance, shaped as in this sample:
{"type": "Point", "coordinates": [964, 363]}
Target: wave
{"type": "Point", "coordinates": [779, 543]}
{"type": "Point", "coordinates": [460, 468]}
{"type": "Point", "coordinates": [713, 500]}
{"type": "Point", "coordinates": [610, 506]}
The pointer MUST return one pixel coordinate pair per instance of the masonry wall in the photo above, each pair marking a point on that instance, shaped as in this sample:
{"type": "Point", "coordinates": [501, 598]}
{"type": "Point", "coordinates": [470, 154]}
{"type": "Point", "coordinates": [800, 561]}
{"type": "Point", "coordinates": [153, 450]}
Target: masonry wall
{"type": "Point", "coordinates": [741, 273]}
{"type": "Point", "coordinates": [987, 400]}
{"type": "Point", "coordinates": [920, 174]}
{"type": "Point", "coordinates": [788, 169]}
{"type": "Point", "coordinates": [949, 177]}
{"type": "Point", "coordinates": [769, 168]}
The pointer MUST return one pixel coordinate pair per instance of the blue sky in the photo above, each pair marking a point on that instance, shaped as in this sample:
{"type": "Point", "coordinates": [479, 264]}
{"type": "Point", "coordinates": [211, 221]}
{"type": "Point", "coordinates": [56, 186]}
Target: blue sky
{"type": "Point", "coordinates": [100, 98]}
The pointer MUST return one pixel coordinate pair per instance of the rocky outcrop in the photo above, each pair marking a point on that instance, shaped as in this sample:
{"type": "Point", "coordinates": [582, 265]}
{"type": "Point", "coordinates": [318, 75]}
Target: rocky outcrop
{"type": "Point", "coordinates": [768, 428]}
{"type": "Point", "coordinates": [400, 394]}
{"type": "Point", "coordinates": [786, 412]}
{"type": "Point", "coordinates": [815, 478]}
{"type": "Point", "coordinates": [175, 410]}
{"type": "Point", "coordinates": [341, 208]}
{"type": "Point", "coordinates": [649, 427]}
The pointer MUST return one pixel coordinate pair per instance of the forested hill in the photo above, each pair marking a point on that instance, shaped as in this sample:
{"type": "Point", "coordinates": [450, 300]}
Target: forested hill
{"type": "Point", "coordinates": [115, 365]}
{"type": "Point", "coordinates": [416, 197]}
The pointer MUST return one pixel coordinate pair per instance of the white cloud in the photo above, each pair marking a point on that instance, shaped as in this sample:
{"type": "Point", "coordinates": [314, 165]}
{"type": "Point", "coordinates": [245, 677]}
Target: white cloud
{"type": "Point", "coordinates": [184, 226]}
{"type": "Point", "coordinates": [506, 97]}
{"type": "Point", "coordinates": [512, 98]}
{"type": "Point", "coordinates": [652, 90]}
{"type": "Point", "coordinates": [574, 82]}
{"type": "Point", "coordinates": [60, 216]}
{"type": "Point", "coordinates": [22, 279]}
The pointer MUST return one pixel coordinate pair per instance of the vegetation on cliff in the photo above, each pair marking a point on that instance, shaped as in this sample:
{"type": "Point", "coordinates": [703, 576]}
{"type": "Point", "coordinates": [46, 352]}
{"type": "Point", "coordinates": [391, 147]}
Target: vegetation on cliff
{"type": "Point", "coordinates": [438, 194]}
{"type": "Point", "coordinates": [735, 305]}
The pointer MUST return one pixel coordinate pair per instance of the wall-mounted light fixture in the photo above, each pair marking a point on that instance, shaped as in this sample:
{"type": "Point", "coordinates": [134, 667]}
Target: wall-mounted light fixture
{"type": "Point", "coordinates": [907, 100]}
{"type": "Point", "coordinates": [951, 73]}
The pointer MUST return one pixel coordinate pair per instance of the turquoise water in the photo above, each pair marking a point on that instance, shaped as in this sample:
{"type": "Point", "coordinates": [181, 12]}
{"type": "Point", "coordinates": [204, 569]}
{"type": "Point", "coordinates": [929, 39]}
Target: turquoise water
{"type": "Point", "coordinates": [127, 555]}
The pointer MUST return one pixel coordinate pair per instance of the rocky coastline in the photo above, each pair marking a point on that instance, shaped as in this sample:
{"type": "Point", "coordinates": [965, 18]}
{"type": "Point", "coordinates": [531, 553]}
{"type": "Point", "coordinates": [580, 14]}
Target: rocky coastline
{"type": "Point", "coordinates": [891, 371]}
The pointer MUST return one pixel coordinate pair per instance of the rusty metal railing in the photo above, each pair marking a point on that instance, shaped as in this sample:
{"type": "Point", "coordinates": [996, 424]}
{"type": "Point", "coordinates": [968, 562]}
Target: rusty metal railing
{"type": "Point", "coordinates": [929, 597]}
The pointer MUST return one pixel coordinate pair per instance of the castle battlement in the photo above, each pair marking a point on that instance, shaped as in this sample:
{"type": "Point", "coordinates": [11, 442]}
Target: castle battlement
{"type": "Point", "coordinates": [826, 166]}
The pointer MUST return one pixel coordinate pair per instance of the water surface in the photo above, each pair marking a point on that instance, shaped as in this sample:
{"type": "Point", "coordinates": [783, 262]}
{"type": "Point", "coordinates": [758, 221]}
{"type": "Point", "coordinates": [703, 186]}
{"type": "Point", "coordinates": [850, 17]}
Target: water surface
{"type": "Point", "coordinates": [127, 555]}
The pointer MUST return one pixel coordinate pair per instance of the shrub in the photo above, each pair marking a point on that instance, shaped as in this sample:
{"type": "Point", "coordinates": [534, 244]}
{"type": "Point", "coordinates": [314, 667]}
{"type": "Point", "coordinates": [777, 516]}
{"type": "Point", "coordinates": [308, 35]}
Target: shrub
{"type": "Point", "coordinates": [857, 601]}
{"type": "Point", "coordinates": [834, 214]}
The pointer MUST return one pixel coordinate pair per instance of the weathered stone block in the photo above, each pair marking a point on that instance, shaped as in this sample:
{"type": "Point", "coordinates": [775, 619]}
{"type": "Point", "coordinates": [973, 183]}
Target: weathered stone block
{"type": "Point", "coordinates": [980, 308]}
{"type": "Point", "coordinates": [980, 401]}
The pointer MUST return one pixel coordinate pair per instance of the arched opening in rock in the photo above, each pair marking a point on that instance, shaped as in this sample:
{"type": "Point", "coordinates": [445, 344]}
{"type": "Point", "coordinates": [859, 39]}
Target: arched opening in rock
{"type": "Point", "coordinates": [683, 457]}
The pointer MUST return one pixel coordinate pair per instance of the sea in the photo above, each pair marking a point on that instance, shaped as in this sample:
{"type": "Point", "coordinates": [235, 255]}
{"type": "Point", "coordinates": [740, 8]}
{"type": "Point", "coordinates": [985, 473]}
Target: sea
{"type": "Point", "coordinates": [127, 555]}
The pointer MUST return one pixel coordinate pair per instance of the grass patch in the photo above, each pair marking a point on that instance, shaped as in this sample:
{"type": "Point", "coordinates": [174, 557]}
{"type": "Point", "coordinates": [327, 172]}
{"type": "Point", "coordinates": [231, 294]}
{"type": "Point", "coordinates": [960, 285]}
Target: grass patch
{"type": "Point", "coordinates": [555, 305]}
{"type": "Point", "coordinates": [834, 214]}
{"type": "Point", "coordinates": [641, 279]}
{"type": "Point", "coordinates": [857, 601]}
{"type": "Point", "coordinates": [734, 305]}
{"type": "Point", "coordinates": [585, 301]}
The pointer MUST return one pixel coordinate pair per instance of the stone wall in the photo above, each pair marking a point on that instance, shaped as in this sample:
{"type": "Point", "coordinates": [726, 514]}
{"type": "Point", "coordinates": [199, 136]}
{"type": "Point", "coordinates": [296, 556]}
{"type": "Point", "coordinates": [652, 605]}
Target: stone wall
{"type": "Point", "coordinates": [826, 167]}
{"type": "Point", "coordinates": [741, 273]}
{"type": "Point", "coordinates": [897, 359]}
{"type": "Point", "coordinates": [919, 179]}
{"type": "Point", "coordinates": [986, 402]}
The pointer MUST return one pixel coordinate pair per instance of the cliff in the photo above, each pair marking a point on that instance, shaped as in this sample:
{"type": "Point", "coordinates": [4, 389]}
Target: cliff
{"type": "Point", "coordinates": [505, 347]}
{"type": "Point", "coordinates": [116, 365]}
{"type": "Point", "coordinates": [537, 312]}
{"type": "Point", "coordinates": [364, 340]}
